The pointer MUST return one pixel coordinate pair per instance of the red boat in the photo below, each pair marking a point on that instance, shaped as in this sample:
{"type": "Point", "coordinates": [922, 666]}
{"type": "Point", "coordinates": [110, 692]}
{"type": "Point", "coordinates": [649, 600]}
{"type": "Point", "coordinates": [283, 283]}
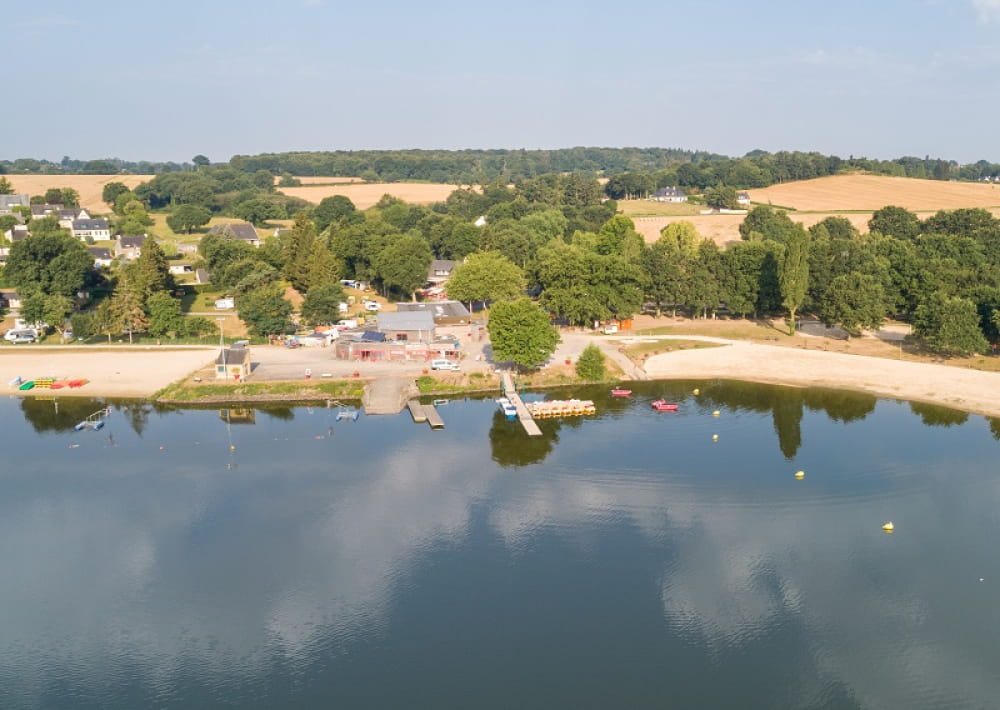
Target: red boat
{"type": "Point", "coordinates": [619, 392]}
{"type": "Point", "coordinates": [662, 405]}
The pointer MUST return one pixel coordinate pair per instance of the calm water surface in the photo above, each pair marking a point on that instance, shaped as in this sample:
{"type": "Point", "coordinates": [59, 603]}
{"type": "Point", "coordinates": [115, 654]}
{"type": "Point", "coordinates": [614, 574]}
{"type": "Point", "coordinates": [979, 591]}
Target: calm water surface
{"type": "Point", "coordinates": [623, 561]}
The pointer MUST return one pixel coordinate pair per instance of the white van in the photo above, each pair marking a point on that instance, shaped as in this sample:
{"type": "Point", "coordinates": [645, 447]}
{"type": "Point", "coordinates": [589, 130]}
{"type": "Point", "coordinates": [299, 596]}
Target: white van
{"type": "Point", "coordinates": [444, 365]}
{"type": "Point", "coordinates": [22, 335]}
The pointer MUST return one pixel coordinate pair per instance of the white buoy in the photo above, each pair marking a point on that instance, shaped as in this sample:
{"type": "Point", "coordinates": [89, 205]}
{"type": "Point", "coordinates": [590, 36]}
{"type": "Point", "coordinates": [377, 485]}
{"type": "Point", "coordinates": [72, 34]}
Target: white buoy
{"type": "Point", "coordinates": [715, 437]}
{"type": "Point", "coordinates": [716, 413]}
{"type": "Point", "coordinates": [800, 475]}
{"type": "Point", "coordinates": [889, 527]}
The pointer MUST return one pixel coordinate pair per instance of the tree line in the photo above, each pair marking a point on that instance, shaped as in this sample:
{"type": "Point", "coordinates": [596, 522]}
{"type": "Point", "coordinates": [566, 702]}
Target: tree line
{"type": "Point", "coordinates": [690, 168]}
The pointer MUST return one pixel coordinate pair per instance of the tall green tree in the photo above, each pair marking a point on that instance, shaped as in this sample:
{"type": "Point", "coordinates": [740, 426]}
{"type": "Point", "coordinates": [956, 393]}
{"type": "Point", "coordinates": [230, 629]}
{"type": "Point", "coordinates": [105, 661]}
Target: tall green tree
{"type": "Point", "coordinates": [322, 304]}
{"type": "Point", "coordinates": [184, 218]}
{"type": "Point", "coordinates": [857, 301]}
{"type": "Point", "coordinates": [111, 191]}
{"type": "Point", "coordinates": [266, 311]}
{"type": "Point", "coordinates": [765, 222]}
{"type": "Point", "coordinates": [298, 247]}
{"type": "Point", "coordinates": [590, 365]}
{"type": "Point", "coordinates": [949, 325]}
{"type": "Point", "coordinates": [127, 309]}
{"type": "Point", "coordinates": [486, 276]}
{"type": "Point", "coordinates": [165, 315]}
{"type": "Point", "coordinates": [895, 221]}
{"type": "Point", "coordinates": [5, 187]}
{"type": "Point", "coordinates": [722, 197]}
{"type": "Point", "coordinates": [520, 332]}
{"type": "Point", "coordinates": [50, 263]}
{"type": "Point", "coordinates": [332, 209]}
{"type": "Point", "coordinates": [150, 273]}
{"type": "Point", "coordinates": [322, 268]}
{"type": "Point", "coordinates": [402, 265]}
{"type": "Point", "coordinates": [793, 275]}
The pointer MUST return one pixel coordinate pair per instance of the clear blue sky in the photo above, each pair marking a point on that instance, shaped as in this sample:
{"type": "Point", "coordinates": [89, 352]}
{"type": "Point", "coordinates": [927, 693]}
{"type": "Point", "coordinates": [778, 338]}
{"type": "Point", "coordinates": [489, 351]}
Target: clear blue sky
{"type": "Point", "coordinates": [164, 81]}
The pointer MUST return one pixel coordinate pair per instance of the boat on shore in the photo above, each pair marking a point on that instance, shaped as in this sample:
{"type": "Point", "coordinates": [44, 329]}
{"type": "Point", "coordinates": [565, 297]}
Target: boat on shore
{"type": "Point", "coordinates": [507, 407]}
{"type": "Point", "coordinates": [662, 405]}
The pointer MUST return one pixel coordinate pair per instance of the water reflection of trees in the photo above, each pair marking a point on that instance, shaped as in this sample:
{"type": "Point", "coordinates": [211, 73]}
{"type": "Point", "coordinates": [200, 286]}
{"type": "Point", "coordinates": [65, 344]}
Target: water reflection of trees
{"type": "Point", "coordinates": [511, 446]}
{"type": "Point", "coordinates": [934, 415]}
{"type": "Point", "coordinates": [786, 405]}
{"type": "Point", "coordinates": [58, 414]}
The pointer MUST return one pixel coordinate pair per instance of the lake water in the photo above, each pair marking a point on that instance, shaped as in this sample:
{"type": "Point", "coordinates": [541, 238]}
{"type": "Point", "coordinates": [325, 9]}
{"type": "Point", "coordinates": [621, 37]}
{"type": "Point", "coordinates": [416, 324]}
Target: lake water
{"type": "Point", "coordinates": [622, 561]}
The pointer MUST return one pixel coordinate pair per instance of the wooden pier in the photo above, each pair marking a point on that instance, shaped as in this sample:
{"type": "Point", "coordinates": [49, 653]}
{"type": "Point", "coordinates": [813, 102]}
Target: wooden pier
{"type": "Point", "coordinates": [433, 418]}
{"type": "Point", "coordinates": [523, 415]}
{"type": "Point", "coordinates": [425, 413]}
{"type": "Point", "coordinates": [417, 411]}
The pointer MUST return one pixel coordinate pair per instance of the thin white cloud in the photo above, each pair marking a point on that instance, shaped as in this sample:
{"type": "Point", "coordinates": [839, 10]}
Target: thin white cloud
{"type": "Point", "coordinates": [988, 10]}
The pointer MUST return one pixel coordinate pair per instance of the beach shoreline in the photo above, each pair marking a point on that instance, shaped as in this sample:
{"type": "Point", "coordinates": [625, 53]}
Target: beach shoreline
{"type": "Point", "coordinates": [142, 372]}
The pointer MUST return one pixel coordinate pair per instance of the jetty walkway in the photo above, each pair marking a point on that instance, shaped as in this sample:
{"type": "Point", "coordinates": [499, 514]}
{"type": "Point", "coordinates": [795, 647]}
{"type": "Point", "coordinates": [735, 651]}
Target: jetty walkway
{"type": "Point", "coordinates": [523, 415]}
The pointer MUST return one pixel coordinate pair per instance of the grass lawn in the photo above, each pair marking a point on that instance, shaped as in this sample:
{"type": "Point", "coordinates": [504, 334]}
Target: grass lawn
{"type": "Point", "coordinates": [640, 351]}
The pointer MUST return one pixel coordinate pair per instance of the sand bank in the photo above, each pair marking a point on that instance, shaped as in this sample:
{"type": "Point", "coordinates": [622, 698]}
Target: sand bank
{"type": "Point", "coordinates": [959, 388]}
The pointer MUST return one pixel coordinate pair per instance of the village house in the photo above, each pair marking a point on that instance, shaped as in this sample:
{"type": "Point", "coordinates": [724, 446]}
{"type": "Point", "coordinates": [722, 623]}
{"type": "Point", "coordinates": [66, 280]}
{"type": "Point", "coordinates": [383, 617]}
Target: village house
{"type": "Point", "coordinates": [102, 256]}
{"type": "Point", "coordinates": [241, 231]}
{"type": "Point", "coordinates": [406, 326]}
{"type": "Point", "coordinates": [129, 247]}
{"type": "Point", "coordinates": [743, 198]}
{"type": "Point", "coordinates": [10, 299]}
{"type": "Point", "coordinates": [95, 229]}
{"type": "Point", "coordinates": [9, 202]}
{"type": "Point", "coordinates": [669, 194]}
{"type": "Point", "coordinates": [66, 217]}
{"type": "Point", "coordinates": [14, 234]}
{"type": "Point", "coordinates": [46, 210]}
{"type": "Point", "coordinates": [178, 269]}
{"type": "Point", "coordinates": [440, 271]}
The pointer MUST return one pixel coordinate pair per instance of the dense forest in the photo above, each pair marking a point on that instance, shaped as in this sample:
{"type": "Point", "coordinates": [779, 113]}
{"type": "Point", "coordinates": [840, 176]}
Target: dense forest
{"type": "Point", "coordinates": [667, 166]}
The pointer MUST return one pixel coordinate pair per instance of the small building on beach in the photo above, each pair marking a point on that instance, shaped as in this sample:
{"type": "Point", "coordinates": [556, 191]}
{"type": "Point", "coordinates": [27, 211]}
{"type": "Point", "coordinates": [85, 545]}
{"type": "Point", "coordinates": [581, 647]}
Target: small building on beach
{"type": "Point", "coordinates": [232, 364]}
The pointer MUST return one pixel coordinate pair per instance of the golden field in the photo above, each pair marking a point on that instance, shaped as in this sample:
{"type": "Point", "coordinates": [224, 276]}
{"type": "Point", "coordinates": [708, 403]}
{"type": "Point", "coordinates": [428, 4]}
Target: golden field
{"type": "Point", "coordinates": [724, 229]}
{"type": "Point", "coordinates": [872, 192]}
{"type": "Point", "coordinates": [364, 195]}
{"type": "Point", "coordinates": [314, 180]}
{"type": "Point", "coordinates": [90, 187]}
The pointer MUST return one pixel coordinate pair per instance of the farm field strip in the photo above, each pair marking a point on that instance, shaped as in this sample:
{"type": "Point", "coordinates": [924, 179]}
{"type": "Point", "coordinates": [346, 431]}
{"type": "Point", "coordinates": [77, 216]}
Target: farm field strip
{"type": "Point", "coordinates": [90, 187]}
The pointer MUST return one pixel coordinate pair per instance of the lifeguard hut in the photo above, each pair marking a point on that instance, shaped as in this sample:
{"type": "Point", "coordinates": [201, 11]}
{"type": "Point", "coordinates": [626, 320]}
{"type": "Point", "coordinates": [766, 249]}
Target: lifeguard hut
{"type": "Point", "coordinates": [233, 364]}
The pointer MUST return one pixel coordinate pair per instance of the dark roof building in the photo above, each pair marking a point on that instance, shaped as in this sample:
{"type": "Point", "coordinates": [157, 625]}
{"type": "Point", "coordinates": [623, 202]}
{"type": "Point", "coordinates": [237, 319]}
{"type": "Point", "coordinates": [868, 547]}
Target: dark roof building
{"type": "Point", "coordinates": [406, 325]}
{"type": "Point", "coordinates": [443, 312]}
{"type": "Point", "coordinates": [242, 231]}
{"type": "Point", "coordinates": [440, 270]}
{"type": "Point", "coordinates": [8, 201]}
{"type": "Point", "coordinates": [91, 225]}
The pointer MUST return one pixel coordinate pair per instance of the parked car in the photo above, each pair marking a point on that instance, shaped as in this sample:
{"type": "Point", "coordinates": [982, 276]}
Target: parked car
{"type": "Point", "coordinates": [18, 335]}
{"type": "Point", "coordinates": [372, 306]}
{"type": "Point", "coordinates": [444, 365]}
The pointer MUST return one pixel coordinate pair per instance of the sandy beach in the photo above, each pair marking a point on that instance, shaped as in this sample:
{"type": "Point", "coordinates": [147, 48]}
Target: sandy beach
{"type": "Point", "coordinates": [120, 372]}
{"type": "Point", "coordinates": [142, 371]}
{"type": "Point", "coordinates": [958, 388]}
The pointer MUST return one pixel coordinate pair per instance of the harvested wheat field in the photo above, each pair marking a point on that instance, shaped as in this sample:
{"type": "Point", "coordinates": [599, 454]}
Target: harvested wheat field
{"type": "Point", "coordinates": [90, 187]}
{"type": "Point", "coordinates": [364, 195]}
{"type": "Point", "coordinates": [724, 229]}
{"type": "Point", "coordinates": [318, 180]}
{"type": "Point", "coordinates": [872, 192]}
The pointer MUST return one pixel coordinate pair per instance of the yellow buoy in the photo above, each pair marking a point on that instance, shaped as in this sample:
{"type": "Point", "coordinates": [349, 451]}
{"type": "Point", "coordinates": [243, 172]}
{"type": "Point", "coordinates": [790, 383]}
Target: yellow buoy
{"type": "Point", "coordinates": [800, 475]}
{"type": "Point", "coordinates": [232, 448]}
{"type": "Point", "coordinates": [697, 391]}
{"type": "Point", "coordinates": [889, 527]}
{"type": "Point", "coordinates": [716, 413]}
{"type": "Point", "coordinates": [715, 437]}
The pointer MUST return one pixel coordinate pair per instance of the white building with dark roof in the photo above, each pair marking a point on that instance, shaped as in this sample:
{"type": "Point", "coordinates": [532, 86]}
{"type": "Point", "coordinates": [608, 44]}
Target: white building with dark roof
{"type": "Point", "coordinates": [90, 228]}
{"type": "Point", "coordinates": [129, 247]}
{"type": "Point", "coordinates": [669, 194]}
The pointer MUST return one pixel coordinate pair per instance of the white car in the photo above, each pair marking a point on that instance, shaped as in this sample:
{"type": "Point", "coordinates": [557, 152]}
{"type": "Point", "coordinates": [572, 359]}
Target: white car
{"type": "Point", "coordinates": [23, 335]}
{"type": "Point", "coordinates": [372, 306]}
{"type": "Point", "coordinates": [444, 365]}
